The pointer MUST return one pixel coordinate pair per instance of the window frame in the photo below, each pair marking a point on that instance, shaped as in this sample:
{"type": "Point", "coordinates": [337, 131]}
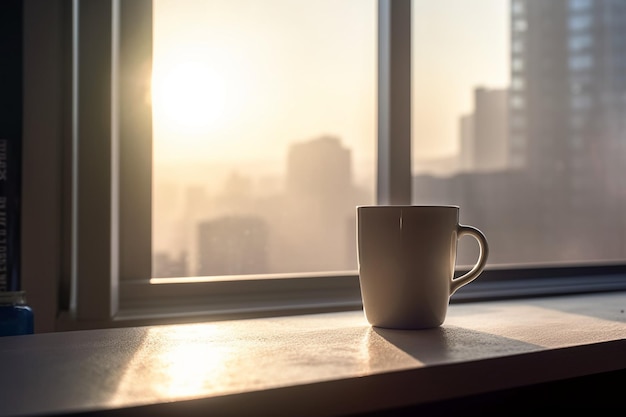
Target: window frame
{"type": "Point", "coordinates": [111, 271]}
{"type": "Point", "coordinates": [103, 276]}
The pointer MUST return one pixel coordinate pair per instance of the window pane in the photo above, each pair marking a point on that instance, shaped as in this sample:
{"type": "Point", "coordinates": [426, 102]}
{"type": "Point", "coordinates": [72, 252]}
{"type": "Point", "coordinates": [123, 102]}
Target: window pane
{"type": "Point", "coordinates": [519, 119]}
{"type": "Point", "coordinates": [264, 134]}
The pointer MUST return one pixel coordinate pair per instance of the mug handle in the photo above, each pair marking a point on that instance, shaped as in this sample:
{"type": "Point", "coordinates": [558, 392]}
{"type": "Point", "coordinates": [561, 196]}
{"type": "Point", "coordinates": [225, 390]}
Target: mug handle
{"type": "Point", "coordinates": [463, 230]}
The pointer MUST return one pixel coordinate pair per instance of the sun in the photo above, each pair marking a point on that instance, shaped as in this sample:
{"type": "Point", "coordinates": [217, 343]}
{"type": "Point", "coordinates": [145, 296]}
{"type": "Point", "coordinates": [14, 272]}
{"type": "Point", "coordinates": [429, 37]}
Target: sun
{"type": "Point", "coordinates": [188, 97]}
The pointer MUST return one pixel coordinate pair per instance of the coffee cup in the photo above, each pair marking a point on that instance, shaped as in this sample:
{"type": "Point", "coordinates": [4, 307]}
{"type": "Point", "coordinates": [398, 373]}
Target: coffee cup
{"type": "Point", "coordinates": [406, 261]}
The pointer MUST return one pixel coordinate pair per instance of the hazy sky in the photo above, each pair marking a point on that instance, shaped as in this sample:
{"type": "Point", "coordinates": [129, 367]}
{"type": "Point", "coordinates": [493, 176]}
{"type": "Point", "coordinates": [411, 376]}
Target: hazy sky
{"type": "Point", "coordinates": [457, 46]}
{"type": "Point", "coordinates": [245, 78]}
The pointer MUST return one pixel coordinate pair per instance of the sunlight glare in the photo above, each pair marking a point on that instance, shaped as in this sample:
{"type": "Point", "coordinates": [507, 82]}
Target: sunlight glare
{"type": "Point", "coordinates": [188, 97]}
{"type": "Point", "coordinates": [178, 362]}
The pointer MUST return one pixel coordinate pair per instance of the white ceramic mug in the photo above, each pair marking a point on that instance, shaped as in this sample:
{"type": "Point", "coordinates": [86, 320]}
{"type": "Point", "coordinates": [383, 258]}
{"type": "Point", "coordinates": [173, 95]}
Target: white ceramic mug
{"type": "Point", "coordinates": [407, 258]}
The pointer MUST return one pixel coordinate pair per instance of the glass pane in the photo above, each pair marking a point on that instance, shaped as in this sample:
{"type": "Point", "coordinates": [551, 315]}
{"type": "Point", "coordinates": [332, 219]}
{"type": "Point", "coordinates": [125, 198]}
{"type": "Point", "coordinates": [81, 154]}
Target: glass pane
{"type": "Point", "coordinates": [264, 134]}
{"type": "Point", "coordinates": [519, 118]}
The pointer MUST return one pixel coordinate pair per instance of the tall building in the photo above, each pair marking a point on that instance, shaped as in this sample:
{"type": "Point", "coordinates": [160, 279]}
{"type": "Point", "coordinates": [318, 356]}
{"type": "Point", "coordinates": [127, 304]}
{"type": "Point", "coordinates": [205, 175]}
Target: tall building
{"type": "Point", "coordinates": [320, 198]}
{"type": "Point", "coordinates": [567, 108]}
{"type": "Point", "coordinates": [166, 265]}
{"type": "Point", "coordinates": [484, 135]}
{"type": "Point", "coordinates": [539, 85]}
{"type": "Point", "coordinates": [321, 166]}
{"type": "Point", "coordinates": [568, 82]}
{"type": "Point", "coordinates": [466, 142]}
{"type": "Point", "coordinates": [232, 245]}
{"type": "Point", "coordinates": [490, 129]}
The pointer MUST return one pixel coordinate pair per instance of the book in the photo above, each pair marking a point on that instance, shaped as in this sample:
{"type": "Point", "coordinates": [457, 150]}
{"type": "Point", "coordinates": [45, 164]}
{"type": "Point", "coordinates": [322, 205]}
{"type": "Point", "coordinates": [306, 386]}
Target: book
{"type": "Point", "coordinates": [11, 87]}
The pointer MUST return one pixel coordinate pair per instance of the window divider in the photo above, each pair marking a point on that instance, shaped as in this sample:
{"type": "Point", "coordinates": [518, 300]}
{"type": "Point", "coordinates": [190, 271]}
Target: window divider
{"type": "Point", "coordinates": [394, 177]}
{"type": "Point", "coordinates": [135, 140]}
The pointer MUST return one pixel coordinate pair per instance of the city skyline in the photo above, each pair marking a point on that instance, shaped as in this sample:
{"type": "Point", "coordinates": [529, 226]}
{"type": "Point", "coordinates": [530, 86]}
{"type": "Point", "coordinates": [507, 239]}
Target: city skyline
{"type": "Point", "coordinates": [306, 224]}
{"type": "Point", "coordinates": [542, 173]}
{"type": "Point", "coordinates": [346, 66]}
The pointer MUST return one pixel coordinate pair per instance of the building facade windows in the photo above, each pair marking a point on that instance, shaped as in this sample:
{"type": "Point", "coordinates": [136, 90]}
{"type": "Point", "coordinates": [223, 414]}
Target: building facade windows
{"type": "Point", "coordinates": [576, 5]}
{"type": "Point", "coordinates": [581, 62]}
{"type": "Point", "coordinates": [580, 41]}
{"type": "Point", "coordinates": [580, 22]}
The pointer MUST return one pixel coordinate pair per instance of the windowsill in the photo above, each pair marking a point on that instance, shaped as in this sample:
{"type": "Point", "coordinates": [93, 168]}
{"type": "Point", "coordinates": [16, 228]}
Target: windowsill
{"type": "Point", "coordinates": [320, 364]}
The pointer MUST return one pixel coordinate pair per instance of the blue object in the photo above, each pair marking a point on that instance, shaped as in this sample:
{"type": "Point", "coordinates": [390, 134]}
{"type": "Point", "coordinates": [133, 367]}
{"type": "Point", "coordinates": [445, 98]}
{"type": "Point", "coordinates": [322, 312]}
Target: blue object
{"type": "Point", "coordinates": [16, 318]}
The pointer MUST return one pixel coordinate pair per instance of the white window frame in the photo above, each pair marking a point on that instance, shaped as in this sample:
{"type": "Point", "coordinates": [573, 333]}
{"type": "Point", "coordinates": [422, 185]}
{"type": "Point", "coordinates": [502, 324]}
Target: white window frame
{"type": "Point", "coordinates": [102, 276]}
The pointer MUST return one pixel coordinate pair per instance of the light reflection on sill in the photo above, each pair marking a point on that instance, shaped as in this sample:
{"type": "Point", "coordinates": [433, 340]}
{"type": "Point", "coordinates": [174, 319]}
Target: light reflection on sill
{"type": "Point", "coordinates": [252, 277]}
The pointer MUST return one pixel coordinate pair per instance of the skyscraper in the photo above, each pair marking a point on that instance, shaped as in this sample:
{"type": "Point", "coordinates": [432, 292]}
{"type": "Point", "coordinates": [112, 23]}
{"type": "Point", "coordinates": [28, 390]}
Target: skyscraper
{"type": "Point", "coordinates": [232, 245]}
{"type": "Point", "coordinates": [466, 139]}
{"type": "Point", "coordinates": [539, 85]}
{"type": "Point", "coordinates": [319, 202]}
{"type": "Point", "coordinates": [568, 82]}
{"type": "Point", "coordinates": [321, 166]}
{"type": "Point", "coordinates": [567, 108]}
{"type": "Point", "coordinates": [490, 129]}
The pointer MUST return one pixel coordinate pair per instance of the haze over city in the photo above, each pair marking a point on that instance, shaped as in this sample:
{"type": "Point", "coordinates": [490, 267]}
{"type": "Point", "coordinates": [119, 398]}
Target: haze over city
{"type": "Point", "coordinates": [238, 85]}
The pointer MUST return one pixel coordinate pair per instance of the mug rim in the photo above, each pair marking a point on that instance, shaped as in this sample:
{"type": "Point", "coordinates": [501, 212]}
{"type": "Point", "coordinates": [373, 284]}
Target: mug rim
{"type": "Point", "coordinates": [408, 206]}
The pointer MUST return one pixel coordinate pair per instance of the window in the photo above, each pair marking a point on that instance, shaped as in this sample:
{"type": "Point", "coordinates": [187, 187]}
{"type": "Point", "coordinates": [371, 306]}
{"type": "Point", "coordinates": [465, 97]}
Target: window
{"type": "Point", "coordinates": [520, 25]}
{"type": "Point", "coordinates": [580, 4]}
{"type": "Point", "coordinates": [517, 83]}
{"type": "Point", "coordinates": [517, 7]}
{"type": "Point", "coordinates": [578, 42]}
{"type": "Point", "coordinates": [517, 46]}
{"type": "Point", "coordinates": [517, 187]}
{"type": "Point", "coordinates": [580, 22]}
{"type": "Point", "coordinates": [235, 139]}
{"type": "Point", "coordinates": [264, 134]}
{"type": "Point", "coordinates": [580, 62]}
